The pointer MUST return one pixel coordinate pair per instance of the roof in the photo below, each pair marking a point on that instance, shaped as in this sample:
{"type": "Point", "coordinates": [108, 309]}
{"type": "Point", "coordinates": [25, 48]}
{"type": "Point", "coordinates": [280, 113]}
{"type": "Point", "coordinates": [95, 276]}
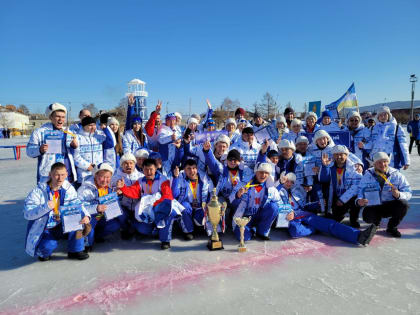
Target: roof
{"type": "Point", "coordinates": [136, 81]}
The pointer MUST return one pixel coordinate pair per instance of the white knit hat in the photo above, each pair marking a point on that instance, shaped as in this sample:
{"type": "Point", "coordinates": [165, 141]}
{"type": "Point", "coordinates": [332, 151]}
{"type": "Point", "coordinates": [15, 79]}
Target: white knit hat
{"type": "Point", "coordinates": [196, 116]}
{"type": "Point", "coordinates": [192, 120]}
{"type": "Point", "coordinates": [320, 134]}
{"type": "Point", "coordinates": [301, 139]}
{"type": "Point", "coordinates": [230, 121]}
{"type": "Point", "coordinates": [311, 114]}
{"type": "Point", "coordinates": [127, 157]}
{"type": "Point", "coordinates": [223, 138]}
{"type": "Point", "coordinates": [54, 107]}
{"type": "Point", "coordinates": [178, 115]}
{"type": "Point", "coordinates": [380, 156]}
{"type": "Point", "coordinates": [287, 144]}
{"type": "Point", "coordinates": [103, 167]}
{"type": "Point", "coordinates": [142, 153]}
{"type": "Point", "coordinates": [264, 167]}
{"type": "Point", "coordinates": [340, 149]}
{"type": "Point", "coordinates": [352, 114]}
{"type": "Point", "coordinates": [113, 120]}
{"type": "Point", "coordinates": [296, 122]}
{"type": "Point", "coordinates": [281, 119]}
{"type": "Point", "coordinates": [384, 109]}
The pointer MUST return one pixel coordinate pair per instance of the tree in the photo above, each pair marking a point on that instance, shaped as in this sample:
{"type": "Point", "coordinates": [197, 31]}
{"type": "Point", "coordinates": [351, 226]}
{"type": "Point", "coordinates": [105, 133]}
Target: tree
{"type": "Point", "coordinates": [229, 105]}
{"type": "Point", "coordinates": [4, 122]}
{"type": "Point", "coordinates": [91, 107]}
{"type": "Point", "coordinates": [268, 107]}
{"type": "Point", "coordinates": [23, 109]}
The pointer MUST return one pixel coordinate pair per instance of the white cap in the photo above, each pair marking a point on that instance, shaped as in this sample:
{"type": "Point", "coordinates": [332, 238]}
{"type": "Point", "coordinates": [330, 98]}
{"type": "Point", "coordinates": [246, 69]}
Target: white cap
{"type": "Point", "coordinates": [281, 119]}
{"type": "Point", "coordinates": [54, 107]}
{"type": "Point", "coordinates": [142, 153]}
{"type": "Point", "coordinates": [287, 144]}
{"type": "Point", "coordinates": [384, 109]}
{"type": "Point", "coordinates": [113, 120]}
{"type": "Point", "coordinates": [223, 138]}
{"type": "Point", "coordinates": [352, 114]}
{"type": "Point", "coordinates": [311, 114]}
{"type": "Point", "coordinates": [340, 149]}
{"type": "Point", "coordinates": [192, 120]}
{"type": "Point", "coordinates": [264, 167]}
{"type": "Point", "coordinates": [127, 157]}
{"type": "Point", "coordinates": [380, 156]}
{"type": "Point", "coordinates": [196, 116]}
{"type": "Point", "coordinates": [178, 115]}
{"type": "Point", "coordinates": [301, 139]}
{"type": "Point", "coordinates": [320, 134]}
{"type": "Point", "coordinates": [230, 121]}
{"type": "Point", "coordinates": [296, 122]}
{"type": "Point", "coordinates": [103, 167]}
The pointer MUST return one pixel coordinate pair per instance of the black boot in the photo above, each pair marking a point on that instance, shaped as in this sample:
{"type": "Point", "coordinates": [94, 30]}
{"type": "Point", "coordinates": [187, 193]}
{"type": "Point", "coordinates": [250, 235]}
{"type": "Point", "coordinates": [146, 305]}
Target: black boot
{"type": "Point", "coordinates": [88, 249]}
{"type": "Point", "coordinates": [78, 255]}
{"type": "Point", "coordinates": [366, 236]}
{"type": "Point", "coordinates": [355, 224]}
{"type": "Point", "coordinates": [44, 258]}
{"type": "Point", "coordinates": [262, 237]}
{"type": "Point", "coordinates": [393, 232]}
{"type": "Point", "coordinates": [188, 236]}
{"type": "Point", "coordinates": [165, 245]}
{"type": "Point", "coordinates": [126, 235]}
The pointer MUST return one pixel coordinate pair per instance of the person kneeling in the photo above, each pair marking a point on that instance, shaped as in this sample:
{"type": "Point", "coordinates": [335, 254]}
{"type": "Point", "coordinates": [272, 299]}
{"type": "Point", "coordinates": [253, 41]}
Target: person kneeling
{"type": "Point", "coordinates": [260, 201]}
{"type": "Point", "coordinates": [45, 226]}
{"type": "Point", "coordinates": [303, 221]}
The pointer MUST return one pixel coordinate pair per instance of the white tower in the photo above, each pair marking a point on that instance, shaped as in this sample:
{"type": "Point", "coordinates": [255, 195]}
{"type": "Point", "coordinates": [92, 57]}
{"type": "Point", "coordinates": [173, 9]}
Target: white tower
{"type": "Point", "coordinates": [137, 88]}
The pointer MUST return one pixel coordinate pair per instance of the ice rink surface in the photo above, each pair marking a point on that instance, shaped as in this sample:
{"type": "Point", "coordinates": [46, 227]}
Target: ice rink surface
{"type": "Point", "coordinates": [314, 275]}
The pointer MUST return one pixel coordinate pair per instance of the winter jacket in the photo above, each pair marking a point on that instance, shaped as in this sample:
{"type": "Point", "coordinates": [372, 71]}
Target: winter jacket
{"type": "Point", "coordinates": [248, 153]}
{"type": "Point", "coordinates": [182, 191]}
{"type": "Point", "coordinates": [413, 128]}
{"type": "Point", "coordinates": [131, 144]}
{"type": "Point", "coordinates": [129, 179]}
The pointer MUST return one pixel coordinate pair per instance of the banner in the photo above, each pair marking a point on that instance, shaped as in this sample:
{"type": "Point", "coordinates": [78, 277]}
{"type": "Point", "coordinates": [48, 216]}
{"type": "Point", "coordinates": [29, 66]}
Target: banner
{"type": "Point", "coordinates": [315, 107]}
{"type": "Point", "coordinates": [209, 135]}
{"type": "Point", "coordinates": [341, 137]}
{"type": "Point", "coordinates": [347, 100]}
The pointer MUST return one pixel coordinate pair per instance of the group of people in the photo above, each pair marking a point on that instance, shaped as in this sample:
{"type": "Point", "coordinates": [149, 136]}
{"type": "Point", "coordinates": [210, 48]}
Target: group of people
{"type": "Point", "coordinates": [142, 179]}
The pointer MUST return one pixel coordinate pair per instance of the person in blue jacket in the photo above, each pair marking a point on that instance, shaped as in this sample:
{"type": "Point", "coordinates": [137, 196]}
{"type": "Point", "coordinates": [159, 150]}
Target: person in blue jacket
{"type": "Point", "coordinates": [413, 129]}
{"type": "Point", "coordinates": [42, 210]}
{"type": "Point", "coordinates": [304, 221]}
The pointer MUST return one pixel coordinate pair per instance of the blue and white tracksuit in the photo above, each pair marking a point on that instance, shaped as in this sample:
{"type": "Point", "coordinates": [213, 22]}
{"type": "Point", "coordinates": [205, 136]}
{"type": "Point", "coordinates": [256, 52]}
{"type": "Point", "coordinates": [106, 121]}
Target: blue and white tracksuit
{"type": "Point", "coordinates": [194, 212]}
{"type": "Point", "coordinates": [167, 148]}
{"type": "Point", "coordinates": [46, 160]}
{"type": "Point", "coordinates": [292, 136]}
{"type": "Point", "coordinates": [360, 134]}
{"type": "Point", "coordinates": [89, 196]}
{"type": "Point", "coordinates": [43, 231]}
{"type": "Point", "coordinates": [383, 140]}
{"type": "Point", "coordinates": [306, 222]}
{"type": "Point", "coordinates": [249, 153]}
{"type": "Point", "coordinates": [333, 126]}
{"type": "Point", "coordinates": [131, 144]}
{"type": "Point", "coordinates": [110, 154]}
{"type": "Point", "coordinates": [262, 207]}
{"type": "Point", "coordinates": [90, 151]}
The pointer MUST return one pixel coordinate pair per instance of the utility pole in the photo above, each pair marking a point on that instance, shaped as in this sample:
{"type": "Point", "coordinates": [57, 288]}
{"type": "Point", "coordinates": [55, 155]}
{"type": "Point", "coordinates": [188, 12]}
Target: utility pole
{"type": "Point", "coordinates": [413, 80]}
{"type": "Point", "coordinates": [189, 114]}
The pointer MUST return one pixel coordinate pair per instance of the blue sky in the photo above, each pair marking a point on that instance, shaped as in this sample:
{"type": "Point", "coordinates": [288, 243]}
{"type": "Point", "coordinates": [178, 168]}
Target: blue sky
{"type": "Point", "coordinates": [86, 51]}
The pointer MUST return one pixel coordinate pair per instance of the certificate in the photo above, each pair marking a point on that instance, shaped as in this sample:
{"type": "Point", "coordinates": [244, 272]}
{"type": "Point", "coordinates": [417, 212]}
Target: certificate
{"type": "Point", "coordinates": [308, 165]}
{"type": "Point", "coordinates": [54, 140]}
{"type": "Point", "coordinates": [113, 208]}
{"type": "Point", "coordinates": [71, 216]}
{"type": "Point", "coordinates": [282, 221]}
{"type": "Point", "coordinates": [372, 194]}
{"type": "Point", "coordinates": [262, 135]}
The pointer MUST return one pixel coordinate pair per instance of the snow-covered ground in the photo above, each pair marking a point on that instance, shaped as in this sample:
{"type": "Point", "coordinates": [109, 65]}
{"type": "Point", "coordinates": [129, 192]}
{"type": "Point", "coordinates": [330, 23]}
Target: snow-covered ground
{"type": "Point", "coordinates": [314, 275]}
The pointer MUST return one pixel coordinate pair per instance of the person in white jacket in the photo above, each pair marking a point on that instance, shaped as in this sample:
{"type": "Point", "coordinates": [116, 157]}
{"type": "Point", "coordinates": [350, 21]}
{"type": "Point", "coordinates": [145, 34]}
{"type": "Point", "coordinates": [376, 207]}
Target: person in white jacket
{"type": "Point", "coordinates": [42, 210]}
{"type": "Point", "coordinates": [384, 193]}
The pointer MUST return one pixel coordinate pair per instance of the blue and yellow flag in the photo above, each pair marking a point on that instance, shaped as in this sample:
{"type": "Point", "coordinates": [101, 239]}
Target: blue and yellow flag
{"type": "Point", "coordinates": [349, 99]}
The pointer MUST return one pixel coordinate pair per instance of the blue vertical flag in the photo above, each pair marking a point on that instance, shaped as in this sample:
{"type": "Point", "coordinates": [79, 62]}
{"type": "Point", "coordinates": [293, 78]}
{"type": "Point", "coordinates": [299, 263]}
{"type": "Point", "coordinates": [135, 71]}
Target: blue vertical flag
{"type": "Point", "coordinates": [315, 107]}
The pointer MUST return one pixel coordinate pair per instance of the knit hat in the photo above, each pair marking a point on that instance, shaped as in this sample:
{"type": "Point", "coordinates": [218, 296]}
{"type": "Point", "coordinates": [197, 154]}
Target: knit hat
{"type": "Point", "coordinates": [240, 111]}
{"type": "Point", "coordinates": [234, 154]}
{"type": "Point", "coordinates": [103, 167]}
{"type": "Point", "coordinates": [384, 109]}
{"type": "Point", "coordinates": [223, 138]}
{"type": "Point", "coordinates": [248, 130]}
{"type": "Point", "coordinates": [301, 139]}
{"type": "Point", "coordinates": [311, 114]}
{"type": "Point", "coordinates": [354, 113]}
{"type": "Point", "coordinates": [88, 120]}
{"type": "Point", "coordinates": [113, 120]}
{"type": "Point", "coordinates": [326, 113]}
{"type": "Point", "coordinates": [141, 153]}
{"type": "Point", "coordinates": [264, 167]}
{"type": "Point", "coordinates": [196, 116]}
{"type": "Point", "coordinates": [210, 122]}
{"type": "Point", "coordinates": [320, 134]}
{"type": "Point", "coordinates": [287, 144]}
{"type": "Point", "coordinates": [54, 107]}
{"type": "Point", "coordinates": [136, 120]}
{"type": "Point", "coordinates": [340, 149]}
{"type": "Point", "coordinates": [192, 120]}
{"type": "Point", "coordinates": [289, 110]}
{"type": "Point", "coordinates": [170, 116]}
{"type": "Point", "coordinates": [281, 119]}
{"type": "Point", "coordinates": [178, 115]}
{"type": "Point", "coordinates": [272, 153]}
{"type": "Point", "coordinates": [380, 156]}
{"type": "Point", "coordinates": [127, 157]}
{"type": "Point", "coordinates": [155, 155]}
{"type": "Point", "coordinates": [103, 119]}
{"type": "Point", "coordinates": [230, 121]}
{"type": "Point", "coordinates": [296, 122]}
{"type": "Point", "coordinates": [257, 115]}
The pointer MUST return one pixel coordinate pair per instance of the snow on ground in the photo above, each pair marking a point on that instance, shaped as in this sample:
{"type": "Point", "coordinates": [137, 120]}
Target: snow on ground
{"type": "Point", "coordinates": [313, 275]}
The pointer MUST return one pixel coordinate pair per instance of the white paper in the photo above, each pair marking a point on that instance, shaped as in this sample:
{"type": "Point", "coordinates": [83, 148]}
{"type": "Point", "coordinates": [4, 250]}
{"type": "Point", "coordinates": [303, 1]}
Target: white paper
{"type": "Point", "coordinates": [71, 222]}
{"type": "Point", "coordinates": [54, 146]}
{"type": "Point", "coordinates": [373, 197]}
{"type": "Point", "coordinates": [112, 211]}
{"type": "Point", "coordinates": [308, 168]}
{"type": "Point", "coordinates": [262, 135]}
{"type": "Point", "coordinates": [282, 222]}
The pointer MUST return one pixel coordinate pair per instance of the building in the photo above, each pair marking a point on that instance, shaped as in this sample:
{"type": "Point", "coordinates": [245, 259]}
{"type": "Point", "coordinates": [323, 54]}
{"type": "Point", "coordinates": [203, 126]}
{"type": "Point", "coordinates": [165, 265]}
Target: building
{"type": "Point", "coordinates": [14, 120]}
{"type": "Point", "coordinates": [136, 88]}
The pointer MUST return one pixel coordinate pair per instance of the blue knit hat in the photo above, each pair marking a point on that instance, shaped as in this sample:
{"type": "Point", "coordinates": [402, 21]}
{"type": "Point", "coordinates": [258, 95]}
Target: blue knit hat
{"type": "Point", "coordinates": [326, 113]}
{"type": "Point", "coordinates": [136, 120]}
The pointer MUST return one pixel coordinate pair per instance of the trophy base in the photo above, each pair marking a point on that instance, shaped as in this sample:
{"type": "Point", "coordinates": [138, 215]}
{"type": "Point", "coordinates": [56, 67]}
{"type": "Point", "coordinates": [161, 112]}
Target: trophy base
{"type": "Point", "coordinates": [214, 245]}
{"type": "Point", "coordinates": [242, 249]}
